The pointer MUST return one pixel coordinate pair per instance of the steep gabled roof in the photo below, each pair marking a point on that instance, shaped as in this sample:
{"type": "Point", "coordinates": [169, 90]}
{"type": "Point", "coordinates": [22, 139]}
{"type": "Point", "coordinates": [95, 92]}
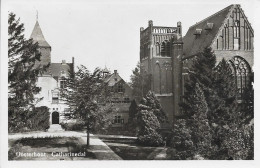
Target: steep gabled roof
{"type": "Point", "coordinates": [112, 79]}
{"type": "Point", "coordinates": [194, 44]}
{"type": "Point", "coordinates": [37, 36]}
{"type": "Point", "coordinates": [58, 69]}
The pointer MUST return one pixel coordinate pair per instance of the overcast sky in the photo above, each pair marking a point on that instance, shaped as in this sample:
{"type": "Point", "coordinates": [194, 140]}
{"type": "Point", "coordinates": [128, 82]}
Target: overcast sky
{"type": "Point", "coordinates": [99, 33]}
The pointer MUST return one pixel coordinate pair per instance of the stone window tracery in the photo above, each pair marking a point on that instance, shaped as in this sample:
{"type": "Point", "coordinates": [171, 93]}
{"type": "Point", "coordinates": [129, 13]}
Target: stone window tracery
{"type": "Point", "coordinates": [242, 72]}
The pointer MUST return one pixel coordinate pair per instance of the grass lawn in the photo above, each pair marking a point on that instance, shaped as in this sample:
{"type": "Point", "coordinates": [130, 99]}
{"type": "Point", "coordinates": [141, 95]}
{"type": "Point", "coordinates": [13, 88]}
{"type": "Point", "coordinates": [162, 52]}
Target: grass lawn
{"type": "Point", "coordinates": [48, 148]}
{"type": "Point", "coordinates": [127, 148]}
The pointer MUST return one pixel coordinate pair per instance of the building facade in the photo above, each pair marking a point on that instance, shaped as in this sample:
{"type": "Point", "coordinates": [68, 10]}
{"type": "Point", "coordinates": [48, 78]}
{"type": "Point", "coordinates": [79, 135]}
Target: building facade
{"type": "Point", "coordinates": [120, 97]}
{"type": "Point", "coordinates": [166, 55]}
{"type": "Point", "coordinates": [161, 50]}
{"type": "Point", "coordinates": [52, 80]}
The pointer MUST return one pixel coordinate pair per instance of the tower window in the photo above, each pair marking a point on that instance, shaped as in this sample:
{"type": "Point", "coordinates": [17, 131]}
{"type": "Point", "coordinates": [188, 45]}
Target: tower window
{"type": "Point", "coordinates": [165, 49]}
{"type": "Point", "coordinates": [157, 49]}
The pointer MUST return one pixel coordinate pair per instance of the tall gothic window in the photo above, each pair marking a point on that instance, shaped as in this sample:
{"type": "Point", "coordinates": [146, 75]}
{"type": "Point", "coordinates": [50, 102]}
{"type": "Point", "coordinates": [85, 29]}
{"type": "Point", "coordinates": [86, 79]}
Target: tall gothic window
{"type": "Point", "coordinates": [168, 49]}
{"type": "Point", "coordinates": [165, 49]}
{"type": "Point", "coordinates": [236, 35]}
{"type": "Point", "coordinates": [242, 73]}
{"type": "Point", "coordinates": [157, 48]}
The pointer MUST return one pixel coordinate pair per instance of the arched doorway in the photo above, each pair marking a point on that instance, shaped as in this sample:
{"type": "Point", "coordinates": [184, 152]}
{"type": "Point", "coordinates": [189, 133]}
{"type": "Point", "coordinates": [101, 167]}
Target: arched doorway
{"type": "Point", "coordinates": [55, 118]}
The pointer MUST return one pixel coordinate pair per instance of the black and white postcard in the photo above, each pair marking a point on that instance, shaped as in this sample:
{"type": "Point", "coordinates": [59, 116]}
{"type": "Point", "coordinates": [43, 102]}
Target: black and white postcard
{"type": "Point", "coordinates": [154, 83]}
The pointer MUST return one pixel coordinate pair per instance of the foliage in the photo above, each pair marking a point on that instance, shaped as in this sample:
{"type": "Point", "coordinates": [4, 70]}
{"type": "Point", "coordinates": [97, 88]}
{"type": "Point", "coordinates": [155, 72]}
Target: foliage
{"type": "Point", "coordinates": [82, 92]}
{"type": "Point", "coordinates": [73, 126]}
{"type": "Point", "coordinates": [39, 118]}
{"type": "Point", "coordinates": [199, 125]}
{"type": "Point", "coordinates": [150, 116]}
{"type": "Point", "coordinates": [34, 120]}
{"type": "Point", "coordinates": [153, 104]}
{"type": "Point", "coordinates": [202, 72]}
{"type": "Point", "coordinates": [148, 126]}
{"type": "Point", "coordinates": [103, 119]}
{"type": "Point", "coordinates": [220, 127]}
{"type": "Point", "coordinates": [132, 122]}
{"type": "Point", "coordinates": [22, 73]}
{"type": "Point", "coordinates": [182, 141]}
{"type": "Point", "coordinates": [192, 136]}
{"type": "Point", "coordinates": [140, 82]}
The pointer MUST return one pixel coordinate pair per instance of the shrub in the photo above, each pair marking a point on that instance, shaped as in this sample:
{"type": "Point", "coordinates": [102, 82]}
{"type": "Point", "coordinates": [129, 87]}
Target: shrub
{"type": "Point", "coordinates": [13, 150]}
{"type": "Point", "coordinates": [34, 120]}
{"type": "Point", "coordinates": [151, 139]}
{"type": "Point", "coordinates": [148, 126]}
{"type": "Point", "coordinates": [39, 119]}
{"type": "Point", "coordinates": [182, 141]}
{"type": "Point", "coordinates": [75, 126]}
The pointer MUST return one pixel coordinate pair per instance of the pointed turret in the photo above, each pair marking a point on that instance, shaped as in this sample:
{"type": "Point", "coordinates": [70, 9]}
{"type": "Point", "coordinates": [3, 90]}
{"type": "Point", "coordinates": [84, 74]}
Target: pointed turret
{"type": "Point", "coordinates": [44, 46]}
{"type": "Point", "coordinates": [37, 36]}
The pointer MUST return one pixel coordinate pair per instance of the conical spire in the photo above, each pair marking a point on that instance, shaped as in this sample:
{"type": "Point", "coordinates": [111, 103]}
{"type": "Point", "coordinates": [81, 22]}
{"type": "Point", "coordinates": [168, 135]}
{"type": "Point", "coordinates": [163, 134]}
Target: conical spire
{"type": "Point", "coordinates": [37, 35]}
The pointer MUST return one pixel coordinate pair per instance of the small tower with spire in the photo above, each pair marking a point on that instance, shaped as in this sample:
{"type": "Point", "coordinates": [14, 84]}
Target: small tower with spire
{"type": "Point", "coordinates": [105, 72]}
{"type": "Point", "coordinates": [44, 46]}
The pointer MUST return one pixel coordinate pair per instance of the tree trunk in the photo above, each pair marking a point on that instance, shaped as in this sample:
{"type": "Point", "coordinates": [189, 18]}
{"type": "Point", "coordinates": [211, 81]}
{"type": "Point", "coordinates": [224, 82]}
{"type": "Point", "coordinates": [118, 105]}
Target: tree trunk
{"type": "Point", "coordinates": [88, 136]}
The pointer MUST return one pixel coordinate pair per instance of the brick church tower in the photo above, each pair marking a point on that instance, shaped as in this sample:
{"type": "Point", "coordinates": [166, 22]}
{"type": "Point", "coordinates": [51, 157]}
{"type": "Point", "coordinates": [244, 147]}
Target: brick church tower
{"type": "Point", "coordinates": [161, 51]}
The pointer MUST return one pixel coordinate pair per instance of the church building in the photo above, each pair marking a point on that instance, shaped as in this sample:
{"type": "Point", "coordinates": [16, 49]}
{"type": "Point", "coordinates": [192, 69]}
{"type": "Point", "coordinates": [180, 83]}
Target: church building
{"type": "Point", "coordinates": [166, 55]}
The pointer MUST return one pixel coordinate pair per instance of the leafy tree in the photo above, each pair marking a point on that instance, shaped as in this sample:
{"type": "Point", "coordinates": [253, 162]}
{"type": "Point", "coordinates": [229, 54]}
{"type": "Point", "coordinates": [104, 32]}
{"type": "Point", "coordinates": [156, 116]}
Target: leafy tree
{"type": "Point", "coordinates": [202, 72]}
{"type": "Point", "coordinates": [228, 124]}
{"type": "Point", "coordinates": [151, 101]}
{"type": "Point", "coordinates": [82, 92]}
{"type": "Point", "coordinates": [132, 123]}
{"type": "Point", "coordinates": [231, 127]}
{"type": "Point", "coordinates": [22, 74]}
{"type": "Point", "coordinates": [150, 116]}
{"type": "Point", "coordinates": [148, 127]}
{"type": "Point", "coordinates": [183, 147]}
{"type": "Point", "coordinates": [140, 82]}
{"type": "Point", "coordinates": [192, 136]}
{"type": "Point", "coordinates": [199, 125]}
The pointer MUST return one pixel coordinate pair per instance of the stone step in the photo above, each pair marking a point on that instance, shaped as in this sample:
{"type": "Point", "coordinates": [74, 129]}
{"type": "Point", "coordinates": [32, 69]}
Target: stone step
{"type": "Point", "coordinates": [55, 128]}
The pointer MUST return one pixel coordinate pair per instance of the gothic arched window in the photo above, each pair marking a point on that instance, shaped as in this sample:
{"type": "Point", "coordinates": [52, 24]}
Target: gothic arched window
{"type": "Point", "coordinates": [242, 72]}
{"type": "Point", "coordinates": [165, 48]}
{"type": "Point", "coordinates": [157, 79]}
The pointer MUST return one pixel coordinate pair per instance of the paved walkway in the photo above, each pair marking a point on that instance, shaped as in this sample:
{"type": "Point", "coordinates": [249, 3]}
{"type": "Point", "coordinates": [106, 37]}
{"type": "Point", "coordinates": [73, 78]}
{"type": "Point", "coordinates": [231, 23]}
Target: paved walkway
{"type": "Point", "coordinates": [98, 147]}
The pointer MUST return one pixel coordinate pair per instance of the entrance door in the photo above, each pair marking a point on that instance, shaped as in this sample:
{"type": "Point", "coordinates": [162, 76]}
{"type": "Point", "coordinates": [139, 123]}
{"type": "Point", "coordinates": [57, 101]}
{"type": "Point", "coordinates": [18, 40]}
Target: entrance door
{"type": "Point", "coordinates": [55, 118]}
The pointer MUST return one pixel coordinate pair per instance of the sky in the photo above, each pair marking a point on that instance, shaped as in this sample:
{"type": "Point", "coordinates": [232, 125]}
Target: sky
{"type": "Point", "coordinates": [107, 33]}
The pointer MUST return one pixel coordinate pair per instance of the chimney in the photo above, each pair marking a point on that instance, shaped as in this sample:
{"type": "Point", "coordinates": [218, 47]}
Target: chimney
{"type": "Point", "coordinates": [63, 62]}
{"type": "Point", "coordinates": [179, 28]}
{"type": "Point", "coordinates": [150, 23]}
{"type": "Point", "coordinates": [115, 72]}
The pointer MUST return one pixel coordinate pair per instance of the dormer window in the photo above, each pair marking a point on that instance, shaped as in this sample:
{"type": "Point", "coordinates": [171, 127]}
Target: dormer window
{"type": "Point", "coordinates": [209, 26]}
{"type": "Point", "coordinates": [198, 32]}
